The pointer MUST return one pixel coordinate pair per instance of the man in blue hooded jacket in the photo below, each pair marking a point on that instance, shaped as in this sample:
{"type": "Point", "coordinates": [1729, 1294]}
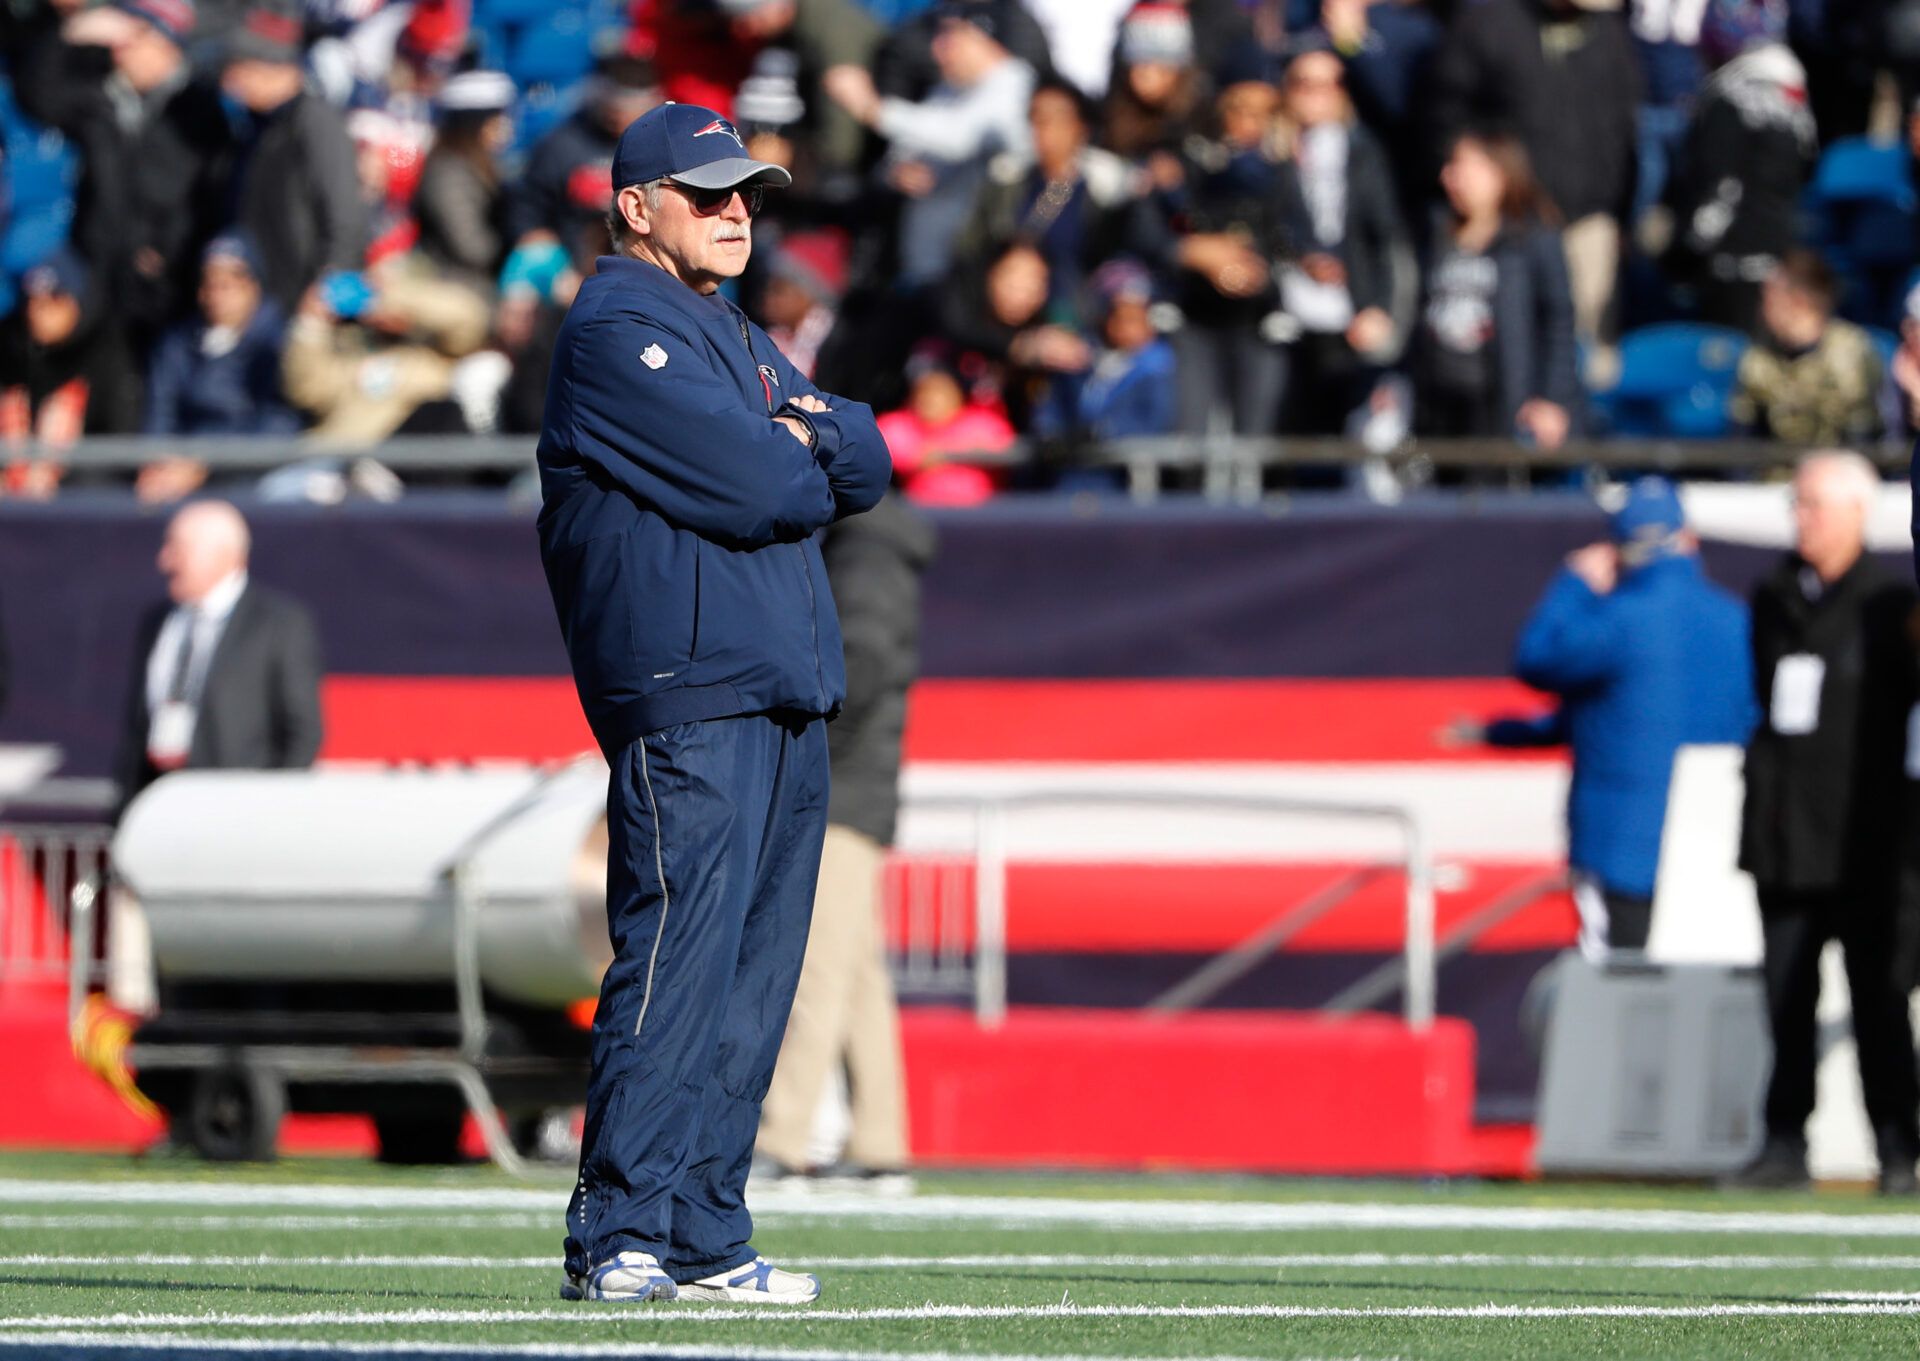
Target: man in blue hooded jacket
{"type": "Point", "coordinates": [1646, 655]}
{"type": "Point", "coordinates": [685, 466]}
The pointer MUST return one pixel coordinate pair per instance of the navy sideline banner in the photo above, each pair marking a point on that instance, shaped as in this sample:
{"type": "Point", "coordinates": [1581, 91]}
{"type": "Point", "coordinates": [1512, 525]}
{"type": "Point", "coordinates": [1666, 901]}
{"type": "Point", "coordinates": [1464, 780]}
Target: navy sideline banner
{"type": "Point", "coordinates": [450, 585]}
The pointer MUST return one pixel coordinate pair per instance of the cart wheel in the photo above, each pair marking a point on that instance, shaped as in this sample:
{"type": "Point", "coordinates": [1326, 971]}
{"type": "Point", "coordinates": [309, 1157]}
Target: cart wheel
{"type": "Point", "coordinates": [233, 1114]}
{"type": "Point", "coordinates": [430, 1136]}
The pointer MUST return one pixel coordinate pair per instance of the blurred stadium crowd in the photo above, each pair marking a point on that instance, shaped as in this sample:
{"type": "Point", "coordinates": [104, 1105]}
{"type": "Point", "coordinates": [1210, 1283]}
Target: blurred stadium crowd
{"type": "Point", "coordinates": [1015, 229]}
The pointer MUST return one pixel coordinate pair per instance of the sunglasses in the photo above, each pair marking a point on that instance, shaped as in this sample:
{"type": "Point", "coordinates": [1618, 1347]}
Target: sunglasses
{"type": "Point", "coordinates": [707, 202]}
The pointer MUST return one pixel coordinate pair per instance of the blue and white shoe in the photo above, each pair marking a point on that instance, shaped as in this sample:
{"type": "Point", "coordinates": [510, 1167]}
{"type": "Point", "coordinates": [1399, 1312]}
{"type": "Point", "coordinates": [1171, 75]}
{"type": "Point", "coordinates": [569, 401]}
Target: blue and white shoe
{"type": "Point", "coordinates": [631, 1276]}
{"type": "Point", "coordinates": [755, 1282]}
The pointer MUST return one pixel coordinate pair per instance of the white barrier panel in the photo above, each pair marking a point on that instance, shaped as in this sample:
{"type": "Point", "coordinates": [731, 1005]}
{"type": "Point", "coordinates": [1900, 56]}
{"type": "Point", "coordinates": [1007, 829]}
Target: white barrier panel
{"type": "Point", "coordinates": [347, 875]}
{"type": "Point", "coordinates": [1509, 812]}
{"type": "Point", "coordinates": [1704, 910]}
{"type": "Point", "coordinates": [1761, 514]}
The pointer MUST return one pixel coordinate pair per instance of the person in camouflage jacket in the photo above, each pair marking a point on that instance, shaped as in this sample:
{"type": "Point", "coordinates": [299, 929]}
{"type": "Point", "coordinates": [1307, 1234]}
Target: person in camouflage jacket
{"type": "Point", "coordinates": [1810, 378]}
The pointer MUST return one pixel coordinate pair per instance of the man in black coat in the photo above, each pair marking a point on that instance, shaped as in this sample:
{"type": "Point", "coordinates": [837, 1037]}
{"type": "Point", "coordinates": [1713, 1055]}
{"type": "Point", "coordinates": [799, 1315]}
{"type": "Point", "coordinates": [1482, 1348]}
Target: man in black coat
{"type": "Point", "coordinates": [115, 79]}
{"type": "Point", "coordinates": [226, 673]}
{"type": "Point", "coordinates": [1735, 191]}
{"type": "Point", "coordinates": [1824, 816]}
{"type": "Point", "coordinates": [295, 187]}
{"type": "Point", "coordinates": [844, 1009]}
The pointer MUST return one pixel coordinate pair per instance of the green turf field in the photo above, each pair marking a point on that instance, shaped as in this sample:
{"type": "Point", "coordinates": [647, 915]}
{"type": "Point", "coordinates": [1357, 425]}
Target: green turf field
{"type": "Point", "coordinates": [110, 1257]}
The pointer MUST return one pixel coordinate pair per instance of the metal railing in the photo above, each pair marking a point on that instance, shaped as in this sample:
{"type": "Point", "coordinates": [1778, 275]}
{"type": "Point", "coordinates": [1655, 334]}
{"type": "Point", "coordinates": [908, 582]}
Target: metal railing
{"type": "Point", "coordinates": [929, 906]}
{"type": "Point", "coordinates": [941, 961]}
{"type": "Point", "coordinates": [1224, 467]}
{"type": "Point", "coordinates": [45, 870]}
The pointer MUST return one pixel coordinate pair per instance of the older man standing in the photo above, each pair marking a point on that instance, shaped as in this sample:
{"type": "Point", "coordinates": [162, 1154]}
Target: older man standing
{"type": "Point", "coordinates": [685, 466]}
{"type": "Point", "coordinates": [226, 672]}
{"type": "Point", "coordinates": [1834, 674]}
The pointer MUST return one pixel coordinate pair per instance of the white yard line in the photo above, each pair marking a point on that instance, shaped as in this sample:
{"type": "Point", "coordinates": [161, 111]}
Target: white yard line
{"type": "Point", "coordinates": [537, 1351]}
{"type": "Point", "coordinates": [1014, 1261]}
{"type": "Point", "coordinates": [669, 1316]}
{"type": "Point", "coordinates": [165, 1220]}
{"type": "Point", "coordinates": [312, 1196]}
{"type": "Point", "coordinates": [1009, 1212]}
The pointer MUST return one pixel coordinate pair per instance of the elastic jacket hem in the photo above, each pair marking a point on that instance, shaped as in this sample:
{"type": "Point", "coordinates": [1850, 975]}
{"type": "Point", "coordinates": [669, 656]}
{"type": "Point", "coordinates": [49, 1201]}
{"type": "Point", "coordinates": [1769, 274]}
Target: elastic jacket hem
{"type": "Point", "coordinates": [650, 713]}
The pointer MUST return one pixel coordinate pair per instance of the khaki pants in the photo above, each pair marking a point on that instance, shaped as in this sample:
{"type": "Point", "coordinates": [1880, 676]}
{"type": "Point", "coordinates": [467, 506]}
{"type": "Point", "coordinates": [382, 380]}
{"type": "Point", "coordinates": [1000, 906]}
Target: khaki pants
{"type": "Point", "coordinates": [844, 1011]}
{"type": "Point", "coordinates": [1592, 246]}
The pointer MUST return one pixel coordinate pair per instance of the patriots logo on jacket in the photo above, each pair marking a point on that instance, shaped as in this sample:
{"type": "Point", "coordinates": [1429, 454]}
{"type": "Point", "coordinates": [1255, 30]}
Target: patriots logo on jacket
{"type": "Point", "coordinates": [722, 127]}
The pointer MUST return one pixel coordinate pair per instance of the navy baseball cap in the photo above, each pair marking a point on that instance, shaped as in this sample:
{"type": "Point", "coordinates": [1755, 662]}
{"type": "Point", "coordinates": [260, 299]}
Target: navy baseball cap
{"type": "Point", "coordinates": [688, 145]}
{"type": "Point", "coordinates": [1651, 512]}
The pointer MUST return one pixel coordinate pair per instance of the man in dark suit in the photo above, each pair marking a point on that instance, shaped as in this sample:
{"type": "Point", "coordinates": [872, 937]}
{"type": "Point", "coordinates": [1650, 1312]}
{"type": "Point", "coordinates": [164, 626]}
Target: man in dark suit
{"type": "Point", "coordinates": [226, 673]}
{"type": "Point", "coordinates": [1821, 835]}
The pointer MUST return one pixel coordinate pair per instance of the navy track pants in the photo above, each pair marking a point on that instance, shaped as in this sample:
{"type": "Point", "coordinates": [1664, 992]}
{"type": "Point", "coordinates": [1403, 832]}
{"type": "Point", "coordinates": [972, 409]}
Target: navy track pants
{"type": "Point", "coordinates": [714, 833]}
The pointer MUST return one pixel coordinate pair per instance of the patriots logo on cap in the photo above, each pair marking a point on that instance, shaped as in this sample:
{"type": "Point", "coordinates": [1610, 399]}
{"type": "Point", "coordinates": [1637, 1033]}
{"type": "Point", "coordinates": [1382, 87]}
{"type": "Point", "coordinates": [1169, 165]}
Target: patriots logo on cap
{"type": "Point", "coordinates": [722, 127]}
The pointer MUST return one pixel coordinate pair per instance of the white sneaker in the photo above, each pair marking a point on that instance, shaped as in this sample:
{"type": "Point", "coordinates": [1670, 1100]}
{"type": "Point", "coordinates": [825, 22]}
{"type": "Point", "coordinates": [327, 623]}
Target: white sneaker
{"type": "Point", "coordinates": [755, 1282]}
{"type": "Point", "coordinates": [626, 1276]}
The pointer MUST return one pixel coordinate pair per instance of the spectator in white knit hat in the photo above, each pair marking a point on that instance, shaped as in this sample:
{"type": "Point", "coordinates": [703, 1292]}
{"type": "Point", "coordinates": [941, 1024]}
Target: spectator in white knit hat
{"type": "Point", "coordinates": [1158, 89]}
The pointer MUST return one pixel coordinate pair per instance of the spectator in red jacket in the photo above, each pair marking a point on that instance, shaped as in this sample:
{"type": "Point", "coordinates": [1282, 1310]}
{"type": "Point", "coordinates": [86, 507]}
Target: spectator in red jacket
{"type": "Point", "coordinates": [942, 421]}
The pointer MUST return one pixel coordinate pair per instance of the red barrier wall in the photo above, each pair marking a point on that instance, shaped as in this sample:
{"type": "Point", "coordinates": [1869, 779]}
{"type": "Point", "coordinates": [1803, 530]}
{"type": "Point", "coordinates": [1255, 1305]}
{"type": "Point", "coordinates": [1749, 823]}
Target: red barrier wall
{"type": "Point", "coordinates": [1270, 1092]}
{"type": "Point", "coordinates": [535, 718]}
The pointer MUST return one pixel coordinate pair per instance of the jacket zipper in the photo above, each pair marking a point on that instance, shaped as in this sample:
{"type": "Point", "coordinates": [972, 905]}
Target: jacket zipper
{"type": "Point", "coordinates": [806, 567]}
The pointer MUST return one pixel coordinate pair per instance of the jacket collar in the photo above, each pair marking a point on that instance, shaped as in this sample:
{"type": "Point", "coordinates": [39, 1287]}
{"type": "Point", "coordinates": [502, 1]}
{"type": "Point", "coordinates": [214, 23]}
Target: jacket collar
{"type": "Point", "coordinates": [1850, 582]}
{"type": "Point", "coordinates": [661, 286]}
{"type": "Point", "coordinates": [1671, 565]}
{"type": "Point", "coordinates": [220, 602]}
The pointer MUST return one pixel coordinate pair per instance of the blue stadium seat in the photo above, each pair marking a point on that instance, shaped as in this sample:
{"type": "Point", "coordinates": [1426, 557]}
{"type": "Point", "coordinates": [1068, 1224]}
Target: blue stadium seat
{"type": "Point", "coordinates": [1875, 235]}
{"type": "Point", "coordinates": [535, 114]}
{"type": "Point", "coordinates": [557, 51]}
{"type": "Point", "coordinates": [42, 170]}
{"type": "Point", "coordinates": [1856, 170]}
{"type": "Point", "coordinates": [609, 14]}
{"type": "Point", "coordinates": [40, 181]}
{"type": "Point", "coordinates": [1674, 382]}
{"type": "Point", "coordinates": [1861, 212]}
{"type": "Point", "coordinates": [42, 167]}
{"type": "Point", "coordinates": [491, 42]}
{"type": "Point", "coordinates": [893, 12]}
{"type": "Point", "coordinates": [494, 13]}
{"type": "Point", "coordinates": [32, 236]}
